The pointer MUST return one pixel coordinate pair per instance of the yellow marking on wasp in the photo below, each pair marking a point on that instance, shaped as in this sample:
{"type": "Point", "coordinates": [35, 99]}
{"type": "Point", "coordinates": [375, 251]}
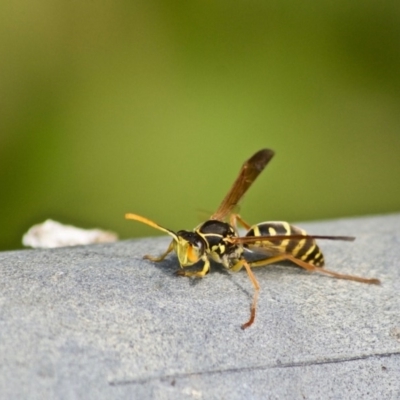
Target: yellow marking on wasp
{"type": "Point", "coordinates": [256, 230]}
{"type": "Point", "coordinates": [317, 256]}
{"type": "Point", "coordinates": [299, 246]}
{"type": "Point", "coordinates": [318, 259]}
{"type": "Point", "coordinates": [309, 251]}
{"type": "Point", "coordinates": [286, 225]}
{"type": "Point", "coordinates": [285, 242]}
{"type": "Point", "coordinates": [211, 234]}
{"type": "Point", "coordinates": [302, 231]}
{"type": "Point", "coordinates": [271, 231]}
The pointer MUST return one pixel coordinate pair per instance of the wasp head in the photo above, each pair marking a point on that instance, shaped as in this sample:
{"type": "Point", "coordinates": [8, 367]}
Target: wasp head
{"type": "Point", "coordinates": [189, 247]}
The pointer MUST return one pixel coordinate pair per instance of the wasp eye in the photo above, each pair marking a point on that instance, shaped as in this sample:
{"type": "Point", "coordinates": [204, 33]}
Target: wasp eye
{"type": "Point", "coordinates": [198, 244]}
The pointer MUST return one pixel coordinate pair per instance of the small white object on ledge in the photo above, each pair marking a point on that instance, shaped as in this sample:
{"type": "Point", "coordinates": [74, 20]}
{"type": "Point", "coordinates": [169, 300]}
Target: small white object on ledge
{"type": "Point", "coordinates": [52, 234]}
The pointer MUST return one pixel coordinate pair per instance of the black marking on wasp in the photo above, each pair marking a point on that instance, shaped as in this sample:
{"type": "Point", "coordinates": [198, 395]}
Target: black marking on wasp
{"type": "Point", "coordinates": [218, 240]}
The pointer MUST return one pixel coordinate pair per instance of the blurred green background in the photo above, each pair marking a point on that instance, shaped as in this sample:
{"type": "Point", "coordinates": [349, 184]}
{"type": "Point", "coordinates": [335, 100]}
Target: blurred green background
{"type": "Point", "coordinates": [151, 107]}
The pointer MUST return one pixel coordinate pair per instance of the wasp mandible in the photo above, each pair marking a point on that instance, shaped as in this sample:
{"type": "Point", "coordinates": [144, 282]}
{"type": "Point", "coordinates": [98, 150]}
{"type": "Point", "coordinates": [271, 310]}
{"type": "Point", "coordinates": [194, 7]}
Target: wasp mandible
{"type": "Point", "coordinates": [219, 240]}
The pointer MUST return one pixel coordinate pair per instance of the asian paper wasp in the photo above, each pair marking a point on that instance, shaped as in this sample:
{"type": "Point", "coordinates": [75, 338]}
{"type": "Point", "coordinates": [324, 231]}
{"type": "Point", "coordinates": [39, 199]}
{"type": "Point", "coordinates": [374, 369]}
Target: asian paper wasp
{"type": "Point", "coordinates": [219, 240]}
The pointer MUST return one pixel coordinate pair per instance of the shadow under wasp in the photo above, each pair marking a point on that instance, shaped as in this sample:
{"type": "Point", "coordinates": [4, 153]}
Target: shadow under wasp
{"type": "Point", "coordinates": [219, 240]}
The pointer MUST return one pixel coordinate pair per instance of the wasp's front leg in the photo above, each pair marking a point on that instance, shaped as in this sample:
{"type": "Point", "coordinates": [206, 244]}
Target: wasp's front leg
{"type": "Point", "coordinates": [196, 274]}
{"type": "Point", "coordinates": [162, 257]}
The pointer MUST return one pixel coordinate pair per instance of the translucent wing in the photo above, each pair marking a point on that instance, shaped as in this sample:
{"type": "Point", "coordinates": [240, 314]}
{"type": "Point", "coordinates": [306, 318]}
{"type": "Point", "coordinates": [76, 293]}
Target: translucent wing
{"type": "Point", "coordinates": [247, 175]}
{"type": "Point", "coordinates": [286, 244]}
{"type": "Point", "coordinates": [259, 240]}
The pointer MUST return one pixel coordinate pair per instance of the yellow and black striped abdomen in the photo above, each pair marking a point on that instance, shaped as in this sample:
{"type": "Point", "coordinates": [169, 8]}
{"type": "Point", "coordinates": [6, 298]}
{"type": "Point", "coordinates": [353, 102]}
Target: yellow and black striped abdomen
{"type": "Point", "coordinates": [304, 249]}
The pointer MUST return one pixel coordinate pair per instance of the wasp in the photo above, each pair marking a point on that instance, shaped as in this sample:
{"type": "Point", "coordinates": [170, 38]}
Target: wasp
{"type": "Point", "coordinates": [218, 239]}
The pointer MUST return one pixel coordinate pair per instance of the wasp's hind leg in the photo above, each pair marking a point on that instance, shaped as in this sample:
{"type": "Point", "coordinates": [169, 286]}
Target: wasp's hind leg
{"type": "Point", "coordinates": [236, 218]}
{"type": "Point", "coordinates": [312, 268]}
{"type": "Point", "coordinates": [162, 257]}
{"type": "Point", "coordinates": [237, 267]}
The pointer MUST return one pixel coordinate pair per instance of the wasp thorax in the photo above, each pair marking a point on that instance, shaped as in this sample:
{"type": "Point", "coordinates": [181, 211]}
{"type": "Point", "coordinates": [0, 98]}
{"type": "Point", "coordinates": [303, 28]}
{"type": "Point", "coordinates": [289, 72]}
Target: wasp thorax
{"type": "Point", "coordinates": [189, 247]}
{"type": "Point", "coordinates": [219, 237]}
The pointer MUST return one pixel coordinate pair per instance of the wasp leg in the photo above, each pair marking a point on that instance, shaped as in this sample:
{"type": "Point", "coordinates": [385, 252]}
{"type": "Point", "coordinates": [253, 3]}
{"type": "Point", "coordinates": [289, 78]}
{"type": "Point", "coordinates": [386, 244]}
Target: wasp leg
{"type": "Point", "coordinates": [237, 267]}
{"type": "Point", "coordinates": [235, 218]}
{"type": "Point", "coordinates": [196, 274]}
{"type": "Point", "coordinates": [313, 268]}
{"type": "Point", "coordinates": [160, 258]}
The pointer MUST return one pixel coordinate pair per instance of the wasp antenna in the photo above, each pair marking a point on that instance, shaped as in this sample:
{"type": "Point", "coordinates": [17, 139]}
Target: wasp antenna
{"type": "Point", "coordinates": [147, 221]}
{"type": "Point", "coordinates": [345, 238]}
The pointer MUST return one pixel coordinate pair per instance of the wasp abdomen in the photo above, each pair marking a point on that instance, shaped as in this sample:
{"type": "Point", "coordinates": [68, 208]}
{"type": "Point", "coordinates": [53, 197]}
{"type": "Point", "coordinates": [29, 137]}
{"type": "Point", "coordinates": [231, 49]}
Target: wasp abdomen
{"type": "Point", "coordinates": [304, 249]}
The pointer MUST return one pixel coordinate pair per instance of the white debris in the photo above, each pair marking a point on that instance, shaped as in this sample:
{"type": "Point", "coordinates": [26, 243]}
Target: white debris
{"type": "Point", "coordinates": [51, 234]}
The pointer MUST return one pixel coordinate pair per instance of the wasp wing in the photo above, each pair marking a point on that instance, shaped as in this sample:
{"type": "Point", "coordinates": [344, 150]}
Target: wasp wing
{"type": "Point", "coordinates": [259, 240]}
{"type": "Point", "coordinates": [297, 248]}
{"type": "Point", "coordinates": [247, 175]}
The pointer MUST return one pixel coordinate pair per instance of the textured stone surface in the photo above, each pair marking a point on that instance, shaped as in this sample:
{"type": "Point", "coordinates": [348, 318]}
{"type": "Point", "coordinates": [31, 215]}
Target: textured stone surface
{"type": "Point", "coordinates": [99, 322]}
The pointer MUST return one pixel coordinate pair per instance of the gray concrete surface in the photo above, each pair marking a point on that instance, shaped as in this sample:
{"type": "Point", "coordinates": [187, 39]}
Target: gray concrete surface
{"type": "Point", "coordinates": [98, 322]}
